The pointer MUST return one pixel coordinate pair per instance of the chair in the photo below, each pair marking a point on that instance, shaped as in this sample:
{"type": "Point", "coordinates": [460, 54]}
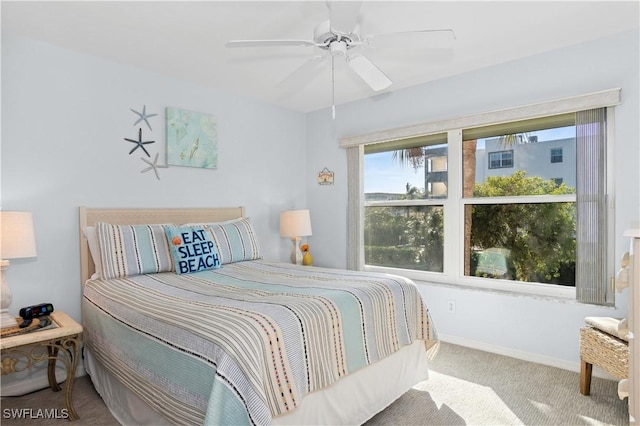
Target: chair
{"type": "Point", "coordinates": [603, 350]}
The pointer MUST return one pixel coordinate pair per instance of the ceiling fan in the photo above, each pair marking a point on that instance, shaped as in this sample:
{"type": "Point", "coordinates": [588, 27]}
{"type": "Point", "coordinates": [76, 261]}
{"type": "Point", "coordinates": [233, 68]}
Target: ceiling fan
{"type": "Point", "coordinates": [339, 36]}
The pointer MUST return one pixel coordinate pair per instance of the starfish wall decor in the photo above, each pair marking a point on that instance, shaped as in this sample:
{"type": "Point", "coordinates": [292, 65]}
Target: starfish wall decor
{"type": "Point", "coordinates": [153, 166]}
{"type": "Point", "coordinates": [139, 143]}
{"type": "Point", "coordinates": [143, 116]}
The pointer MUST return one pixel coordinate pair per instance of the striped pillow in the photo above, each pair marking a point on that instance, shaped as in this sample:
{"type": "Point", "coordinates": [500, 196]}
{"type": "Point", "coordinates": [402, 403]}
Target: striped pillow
{"type": "Point", "coordinates": [128, 250]}
{"type": "Point", "coordinates": [235, 240]}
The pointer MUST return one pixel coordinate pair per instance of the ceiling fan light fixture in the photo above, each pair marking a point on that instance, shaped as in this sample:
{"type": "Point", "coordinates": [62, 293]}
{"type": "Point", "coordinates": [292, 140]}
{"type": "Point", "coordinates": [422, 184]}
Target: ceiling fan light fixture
{"type": "Point", "coordinates": [372, 75]}
{"type": "Point", "coordinates": [338, 47]}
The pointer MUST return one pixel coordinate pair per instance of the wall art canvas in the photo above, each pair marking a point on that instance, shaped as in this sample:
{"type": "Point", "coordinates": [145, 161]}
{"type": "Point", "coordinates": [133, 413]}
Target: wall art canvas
{"type": "Point", "coordinates": [192, 139]}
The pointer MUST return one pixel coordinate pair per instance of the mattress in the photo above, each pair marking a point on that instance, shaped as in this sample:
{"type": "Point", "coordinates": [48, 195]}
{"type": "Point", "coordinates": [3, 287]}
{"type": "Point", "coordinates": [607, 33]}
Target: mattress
{"type": "Point", "coordinates": [251, 342]}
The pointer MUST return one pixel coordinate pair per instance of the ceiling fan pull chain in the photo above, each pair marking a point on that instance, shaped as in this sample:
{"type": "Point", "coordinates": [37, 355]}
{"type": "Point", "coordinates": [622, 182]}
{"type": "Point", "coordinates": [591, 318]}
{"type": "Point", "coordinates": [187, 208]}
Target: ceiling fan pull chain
{"type": "Point", "coordinates": [333, 88]}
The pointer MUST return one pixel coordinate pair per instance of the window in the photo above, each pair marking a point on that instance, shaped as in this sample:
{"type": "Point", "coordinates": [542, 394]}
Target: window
{"type": "Point", "coordinates": [406, 237]}
{"type": "Point", "coordinates": [529, 227]}
{"type": "Point", "coordinates": [501, 159]}
{"type": "Point", "coordinates": [532, 241]}
{"type": "Point", "coordinates": [556, 155]}
{"type": "Point", "coordinates": [405, 183]}
{"type": "Point", "coordinates": [527, 232]}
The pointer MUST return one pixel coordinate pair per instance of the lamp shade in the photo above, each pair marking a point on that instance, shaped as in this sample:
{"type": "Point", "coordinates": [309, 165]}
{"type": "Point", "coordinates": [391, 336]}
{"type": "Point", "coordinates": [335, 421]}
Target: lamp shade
{"type": "Point", "coordinates": [295, 223]}
{"type": "Point", "coordinates": [18, 238]}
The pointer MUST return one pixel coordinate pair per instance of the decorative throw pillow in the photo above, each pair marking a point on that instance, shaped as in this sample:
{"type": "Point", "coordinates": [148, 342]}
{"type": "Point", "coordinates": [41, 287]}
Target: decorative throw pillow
{"type": "Point", "coordinates": [193, 249]}
{"type": "Point", "coordinates": [91, 234]}
{"type": "Point", "coordinates": [235, 240]}
{"type": "Point", "coordinates": [128, 250]}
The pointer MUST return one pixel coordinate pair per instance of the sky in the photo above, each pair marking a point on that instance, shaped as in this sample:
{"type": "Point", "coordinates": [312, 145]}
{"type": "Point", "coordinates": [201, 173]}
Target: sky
{"type": "Point", "coordinates": [383, 174]}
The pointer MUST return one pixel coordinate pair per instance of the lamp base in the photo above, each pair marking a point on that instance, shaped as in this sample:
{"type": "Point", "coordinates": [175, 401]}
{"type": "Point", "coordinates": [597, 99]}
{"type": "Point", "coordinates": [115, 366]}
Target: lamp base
{"type": "Point", "coordinates": [296, 254]}
{"type": "Point", "coordinates": [6, 319]}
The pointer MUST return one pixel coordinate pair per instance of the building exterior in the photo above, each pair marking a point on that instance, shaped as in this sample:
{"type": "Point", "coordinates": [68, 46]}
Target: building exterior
{"type": "Point", "coordinates": [553, 159]}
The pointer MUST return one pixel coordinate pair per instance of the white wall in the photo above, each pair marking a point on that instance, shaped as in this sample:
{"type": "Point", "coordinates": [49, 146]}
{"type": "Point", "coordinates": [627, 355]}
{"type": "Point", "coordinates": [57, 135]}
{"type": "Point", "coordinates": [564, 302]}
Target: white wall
{"type": "Point", "coordinates": [544, 329]}
{"type": "Point", "coordinates": [64, 117]}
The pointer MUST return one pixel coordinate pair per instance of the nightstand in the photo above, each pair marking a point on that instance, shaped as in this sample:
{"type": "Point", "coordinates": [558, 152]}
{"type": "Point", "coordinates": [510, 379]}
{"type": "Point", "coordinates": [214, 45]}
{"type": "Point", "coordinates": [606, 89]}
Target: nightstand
{"type": "Point", "coordinates": [61, 342]}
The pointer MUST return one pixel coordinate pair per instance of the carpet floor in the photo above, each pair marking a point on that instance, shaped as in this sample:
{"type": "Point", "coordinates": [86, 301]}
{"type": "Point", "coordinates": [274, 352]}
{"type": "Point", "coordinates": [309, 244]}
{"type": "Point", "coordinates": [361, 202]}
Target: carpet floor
{"type": "Point", "coordinates": [466, 387]}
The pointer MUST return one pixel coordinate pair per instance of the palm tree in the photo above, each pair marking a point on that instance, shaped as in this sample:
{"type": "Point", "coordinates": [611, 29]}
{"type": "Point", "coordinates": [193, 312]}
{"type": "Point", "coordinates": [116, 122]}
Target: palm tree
{"type": "Point", "coordinates": [410, 156]}
{"type": "Point", "coordinates": [508, 141]}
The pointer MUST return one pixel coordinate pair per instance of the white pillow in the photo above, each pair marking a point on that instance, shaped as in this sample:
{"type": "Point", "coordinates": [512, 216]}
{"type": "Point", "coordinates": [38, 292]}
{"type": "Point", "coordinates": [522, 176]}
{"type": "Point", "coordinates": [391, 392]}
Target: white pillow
{"type": "Point", "coordinates": [94, 247]}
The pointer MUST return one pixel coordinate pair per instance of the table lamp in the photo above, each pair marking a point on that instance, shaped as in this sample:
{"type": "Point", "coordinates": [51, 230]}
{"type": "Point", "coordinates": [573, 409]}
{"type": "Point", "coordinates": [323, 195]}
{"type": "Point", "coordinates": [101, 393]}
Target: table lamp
{"type": "Point", "coordinates": [18, 241]}
{"type": "Point", "coordinates": [295, 224]}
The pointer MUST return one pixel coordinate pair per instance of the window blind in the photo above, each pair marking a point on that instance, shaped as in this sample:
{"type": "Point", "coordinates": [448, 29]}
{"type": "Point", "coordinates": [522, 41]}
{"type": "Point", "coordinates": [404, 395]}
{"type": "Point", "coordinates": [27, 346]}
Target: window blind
{"type": "Point", "coordinates": [424, 140]}
{"type": "Point", "coordinates": [591, 225]}
{"type": "Point", "coordinates": [355, 201]}
{"type": "Point", "coordinates": [522, 126]}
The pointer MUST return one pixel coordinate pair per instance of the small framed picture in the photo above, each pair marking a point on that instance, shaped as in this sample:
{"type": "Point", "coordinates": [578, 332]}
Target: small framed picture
{"type": "Point", "coordinates": [325, 177]}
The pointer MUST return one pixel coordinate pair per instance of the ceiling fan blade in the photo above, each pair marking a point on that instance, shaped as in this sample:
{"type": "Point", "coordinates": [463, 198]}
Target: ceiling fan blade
{"type": "Point", "coordinates": [371, 74]}
{"type": "Point", "coordinates": [343, 16]}
{"type": "Point", "coordinates": [413, 39]}
{"type": "Point", "coordinates": [302, 75]}
{"type": "Point", "coordinates": [270, 43]}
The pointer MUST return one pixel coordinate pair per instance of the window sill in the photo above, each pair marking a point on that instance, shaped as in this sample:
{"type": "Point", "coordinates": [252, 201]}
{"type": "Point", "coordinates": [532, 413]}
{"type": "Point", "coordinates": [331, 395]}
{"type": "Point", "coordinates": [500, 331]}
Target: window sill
{"type": "Point", "coordinates": [513, 293]}
{"type": "Point", "coordinates": [537, 290]}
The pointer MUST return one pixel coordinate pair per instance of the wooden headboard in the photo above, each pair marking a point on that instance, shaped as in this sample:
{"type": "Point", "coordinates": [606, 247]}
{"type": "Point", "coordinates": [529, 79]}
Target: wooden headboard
{"type": "Point", "coordinates": [134, 216]}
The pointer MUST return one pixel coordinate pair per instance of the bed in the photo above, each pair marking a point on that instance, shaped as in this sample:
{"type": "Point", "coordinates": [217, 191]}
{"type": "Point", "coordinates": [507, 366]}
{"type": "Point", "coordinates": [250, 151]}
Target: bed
{"type": "Point", "coordinates": [238, 339]}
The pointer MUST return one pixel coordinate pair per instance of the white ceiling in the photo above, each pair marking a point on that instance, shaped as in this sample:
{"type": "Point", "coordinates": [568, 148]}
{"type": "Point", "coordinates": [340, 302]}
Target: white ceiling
{"type": "Point", "coordinates": [186, 39]}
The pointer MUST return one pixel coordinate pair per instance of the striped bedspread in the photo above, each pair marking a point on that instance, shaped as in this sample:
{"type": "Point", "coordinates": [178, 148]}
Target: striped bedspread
{"type": "Point", "coordinates": [245, 343]}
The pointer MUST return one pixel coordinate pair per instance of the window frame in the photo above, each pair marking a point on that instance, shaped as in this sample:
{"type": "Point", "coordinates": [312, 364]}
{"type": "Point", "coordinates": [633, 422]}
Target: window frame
{"type": "Point", "coordinates": [454, 204]}
{"type": "Point", "coordinates": [501, 166]}
{"type": "Point", "coordinates": [556, 156]}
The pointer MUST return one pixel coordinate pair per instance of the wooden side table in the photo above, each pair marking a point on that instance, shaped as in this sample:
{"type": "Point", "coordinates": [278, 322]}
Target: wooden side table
{"type": "Point", "coordinates": [59, 343]}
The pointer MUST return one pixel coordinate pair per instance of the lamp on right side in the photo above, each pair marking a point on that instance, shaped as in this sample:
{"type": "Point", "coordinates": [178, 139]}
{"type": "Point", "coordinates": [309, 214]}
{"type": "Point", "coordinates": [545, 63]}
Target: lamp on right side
{"type": "Point", "coordinates": [295, 224]}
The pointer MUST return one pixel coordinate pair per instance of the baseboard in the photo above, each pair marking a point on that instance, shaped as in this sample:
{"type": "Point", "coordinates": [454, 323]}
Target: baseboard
{"type": "Point", "coordinates": [523, 355]}
{"type": "Point", "coordinates": [36, 381]}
